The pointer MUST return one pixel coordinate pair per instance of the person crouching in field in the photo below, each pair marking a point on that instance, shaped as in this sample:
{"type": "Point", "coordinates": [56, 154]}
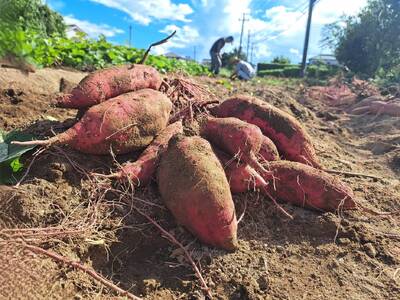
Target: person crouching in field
{"type": "Point", "coordinates": [243, 70]}
{"type": "Point", "coordinates": [215, 53]}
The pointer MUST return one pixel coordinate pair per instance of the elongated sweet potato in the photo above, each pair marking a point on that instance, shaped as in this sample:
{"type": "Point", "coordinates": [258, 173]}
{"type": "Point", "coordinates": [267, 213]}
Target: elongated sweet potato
{"type": "Point", "coordinates": [143, 169]}
{"type": "Point", "coordinates": [194, 187]}
{"type": "Point", "coordinates": [109, 83]}
{"type": "Point", "coordinates": [284, 130]}
{"type": "Point", "coordinates": [306, 186]}
{"type": "Point", "coordinates": [268, 151]}
{"type": "Point", "coordinates": [236, 137]}
{"type": "Point", "coordinates": [126, 123]}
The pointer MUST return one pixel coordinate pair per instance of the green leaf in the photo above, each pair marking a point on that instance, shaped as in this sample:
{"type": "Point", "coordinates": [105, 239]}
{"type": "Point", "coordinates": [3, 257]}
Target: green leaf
{"type": "Point", "coordinates": [10, 155]}
{"type": "Point", "coordinates": [16, 165]}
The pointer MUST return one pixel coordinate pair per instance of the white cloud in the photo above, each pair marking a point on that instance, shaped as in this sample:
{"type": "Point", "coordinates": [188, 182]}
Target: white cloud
{"type": "Point", "coordinates": [144, 11]}
{"type": "Point", "coordinates": [262, 51]}
{"type": "Point", "coordinates": [93, 30]}
{"type": "Point", "coordinates": [55, 4]}
{"type": "Point", "coordinates": [296, 52]}
{"type": "Point", "coordinates": [184, 37]}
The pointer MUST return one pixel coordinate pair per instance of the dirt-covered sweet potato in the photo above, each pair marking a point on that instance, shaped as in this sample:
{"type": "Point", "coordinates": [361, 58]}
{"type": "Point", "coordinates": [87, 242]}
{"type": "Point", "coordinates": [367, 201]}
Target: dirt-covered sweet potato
{"type": "Point", "coordinates": [194, 187]}
{"type": "Point", "coordinates": [306, 186]}
{"type": "Point", "coordinates": [236, 137]}
{"type": "Point", "coordinates": [125, 123]}
{"type": "Point", "coordinates": [268, 150]}
{"type": "Point", "coordinates": [141, 171]}
{"type": "Point", "coordinates": [109, 83]}
{"type": "Point", "coordinates": [241, 176]}
{"type": "Point", "coordinates": [285, 131]}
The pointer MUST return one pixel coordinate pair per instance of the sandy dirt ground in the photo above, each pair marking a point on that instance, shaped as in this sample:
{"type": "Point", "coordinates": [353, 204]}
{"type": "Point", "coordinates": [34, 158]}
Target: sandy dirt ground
{"type": "Point", "coordinates": [354, 255]}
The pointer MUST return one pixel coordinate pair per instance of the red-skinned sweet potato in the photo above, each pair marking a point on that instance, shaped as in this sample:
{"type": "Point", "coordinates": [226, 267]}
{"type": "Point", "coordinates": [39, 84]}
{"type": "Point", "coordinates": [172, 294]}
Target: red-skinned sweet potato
{"type": "Point", "coordinates": [241, 176]}
{"type": "Point", "coordinates": [143, 169]}
{"type": "Point", "coordinates": [109, 83]}
{"type": "Point", "coordinates": [235, 137]}
{"type": "Point", "coordinates": [306, 186]}
{"type": "Point", "coordinates": [126, 123]}
{"type": "Point", "coordinates": [194, 187]}
{"type": "Point", "coordinates": [285, 131]}
{"type": "Point", "coordinates": [268, 150]}
{"type": "Point", "coordinates": [290, 182]}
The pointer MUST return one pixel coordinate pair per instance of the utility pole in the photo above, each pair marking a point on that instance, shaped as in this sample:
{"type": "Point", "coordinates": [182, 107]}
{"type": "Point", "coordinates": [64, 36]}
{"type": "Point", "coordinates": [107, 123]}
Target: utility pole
{"type": "Point", "coordinates": [241, 34]}
{"type": "Point", "coordinates": [307, 38]}
{"type": "Point", "coordinates": [251, 55]}
{"type": "Point", "coordinates": [194, 53]}
{"type": "Point", "coordinates": [248, 44]}
{"type": "Point", "coordinates": [130, 35]}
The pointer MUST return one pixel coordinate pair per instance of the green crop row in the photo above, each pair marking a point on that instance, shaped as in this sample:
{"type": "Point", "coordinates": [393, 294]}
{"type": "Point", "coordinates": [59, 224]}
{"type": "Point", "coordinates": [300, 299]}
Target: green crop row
{"type": "Point", "coordinates": [82, 53]}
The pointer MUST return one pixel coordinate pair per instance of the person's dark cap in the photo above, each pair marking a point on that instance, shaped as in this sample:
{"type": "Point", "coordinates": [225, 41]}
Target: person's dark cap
{"type": "Point", "coordinates": [229, 39]}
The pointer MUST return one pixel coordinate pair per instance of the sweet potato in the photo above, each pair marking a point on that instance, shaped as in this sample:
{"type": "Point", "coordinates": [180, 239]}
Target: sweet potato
{"type": "Point", "coordinates": [126, 123]}
{"type": "Point", "coordinates": [285, 131]}
{"type": "Point", "coordinates": [391, 108]}
{"type": "Point", "coordinates": [143, 169]}
{"type": "Point", "coordinates": [236, 137]}
{"type": "Point", "coordinates": [268, 151]}
{"type": "Point", "coordinates": [306, 186]}
{"type": "Point", "coordinates": [109, 83]}
{"type": "Point", "coordinates": [194, 187]}
{"type": "Point", "coordinates": [241, 176]}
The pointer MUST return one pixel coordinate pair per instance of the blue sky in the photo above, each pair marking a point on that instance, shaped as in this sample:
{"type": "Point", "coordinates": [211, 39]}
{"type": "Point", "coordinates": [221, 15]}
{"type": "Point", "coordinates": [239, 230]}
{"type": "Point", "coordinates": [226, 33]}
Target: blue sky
{"type": "Point", "coordinates": [277, 26]}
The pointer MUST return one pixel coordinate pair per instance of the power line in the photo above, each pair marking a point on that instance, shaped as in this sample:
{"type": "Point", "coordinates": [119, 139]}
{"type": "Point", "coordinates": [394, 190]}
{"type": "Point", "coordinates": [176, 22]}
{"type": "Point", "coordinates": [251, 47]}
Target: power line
{"type": "Point", "coordinates": [287, 29]}
{"type": "Point", "coordinates": [302, 7]}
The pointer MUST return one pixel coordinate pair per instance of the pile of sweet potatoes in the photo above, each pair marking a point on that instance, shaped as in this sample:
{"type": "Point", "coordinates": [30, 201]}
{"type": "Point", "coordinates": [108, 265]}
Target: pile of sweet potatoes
{"type": "Point", "coordinates": [244, 144]}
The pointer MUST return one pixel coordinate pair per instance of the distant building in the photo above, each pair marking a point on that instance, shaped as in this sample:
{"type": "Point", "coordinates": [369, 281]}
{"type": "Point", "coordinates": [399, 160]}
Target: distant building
{"type": "Point", "coordinates": [328, 59]}
{"type": "Point", "coordinates": [174, 55]}
{"type": "Point", "coordinates": [73, 30]}
{"type": "Point", "coordinates": [206, 62]}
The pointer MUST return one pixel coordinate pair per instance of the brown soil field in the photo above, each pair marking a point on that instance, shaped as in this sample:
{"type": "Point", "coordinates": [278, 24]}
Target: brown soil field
{"type": "Point", "coordinates": [61, 208]}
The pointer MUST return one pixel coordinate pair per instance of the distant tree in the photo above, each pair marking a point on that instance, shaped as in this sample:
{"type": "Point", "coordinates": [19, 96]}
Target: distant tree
{"type": "Point", "coordinates": [227, 58]}
{"type": "Point", "coordinates": [31, 15]}
{"type": "Point", "coordinates": [370, 41]}
{"type": "Point", "coordinates": [281, 60]}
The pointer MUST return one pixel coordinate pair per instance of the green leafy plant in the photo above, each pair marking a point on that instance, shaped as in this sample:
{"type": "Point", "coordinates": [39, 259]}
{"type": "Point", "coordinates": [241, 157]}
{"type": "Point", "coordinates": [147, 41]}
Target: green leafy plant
{"type": "Point", "coordinates": [10, 164]}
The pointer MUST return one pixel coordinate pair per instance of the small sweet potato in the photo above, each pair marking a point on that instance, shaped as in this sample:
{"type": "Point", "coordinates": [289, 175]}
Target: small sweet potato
{"type": "Point", "coordinates": [143, 169]}
{"type": "Point", "coordinates": [235, 137]}
{"type": "Point", "coordinates": [194, 187]}
{"type": "Point", "coordinates": [285, 131]}
{"type": "Point", "coordinates": [109, 83]}
{"type": "Point", "coordinates": [306, 186]}
{"type": "Point", "coordinates": [268, 150]}
{"type": "Point", "coordinates": [241, 176]}
{"type": "Point", "coordinates": [125, 123]}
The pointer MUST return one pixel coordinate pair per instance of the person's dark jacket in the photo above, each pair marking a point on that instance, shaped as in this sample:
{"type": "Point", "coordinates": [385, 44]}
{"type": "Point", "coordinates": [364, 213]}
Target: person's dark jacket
{"type": "Point", "coordinates": [218, 45]}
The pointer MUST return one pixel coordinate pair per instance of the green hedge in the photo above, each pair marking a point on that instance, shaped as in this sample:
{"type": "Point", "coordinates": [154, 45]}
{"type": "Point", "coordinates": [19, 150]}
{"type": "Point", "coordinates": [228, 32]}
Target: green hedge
{"type": "Point", "coordinates": [322, 71]}
{"type": "Point", "coordinates": [265, 66]}
{"type": "Point", "coordinates": [277, 73]}
{"type": "Point", "coordinates": [292, 71]}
